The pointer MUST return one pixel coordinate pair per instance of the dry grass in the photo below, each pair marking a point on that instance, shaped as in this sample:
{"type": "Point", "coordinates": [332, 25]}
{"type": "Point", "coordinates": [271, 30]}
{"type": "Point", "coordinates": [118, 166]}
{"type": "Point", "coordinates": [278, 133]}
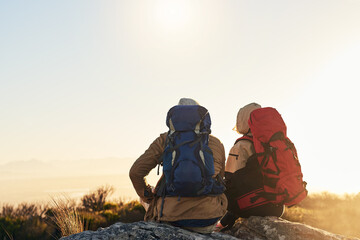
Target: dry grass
{"type": "Point", "coordinates": [338, 214]}
{"type": "Point", "coordinates": [66, 216]}
{"type": "Point", "coordinates": [7, 233]}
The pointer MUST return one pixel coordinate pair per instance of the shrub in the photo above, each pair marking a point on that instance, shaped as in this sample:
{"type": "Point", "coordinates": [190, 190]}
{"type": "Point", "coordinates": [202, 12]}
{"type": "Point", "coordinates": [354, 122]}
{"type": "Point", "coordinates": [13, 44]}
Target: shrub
{"type": "Point", "coordinates": [64, 216]}
{"type": "Point", "coordinates": [95, 200]}
{"type": "Point", "coordinates": [26, 221]}
{"type": "Point", "coordinates": [108, 206]}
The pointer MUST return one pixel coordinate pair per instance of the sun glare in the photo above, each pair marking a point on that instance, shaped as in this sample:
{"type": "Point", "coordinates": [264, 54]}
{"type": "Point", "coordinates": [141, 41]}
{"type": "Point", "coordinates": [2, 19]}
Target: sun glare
{"type": "Point", "coordinates": [329, 101]}
{"type": "Point", "coordinates": [172, 14]}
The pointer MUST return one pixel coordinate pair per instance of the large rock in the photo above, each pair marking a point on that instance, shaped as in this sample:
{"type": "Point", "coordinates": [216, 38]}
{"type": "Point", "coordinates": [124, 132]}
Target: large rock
{"type": "Point", "coordinates": [279, 229]}
{"type": "Point", "coordinates": [144, 231]}
{"type": "Point", "coordinates": [254, 228]}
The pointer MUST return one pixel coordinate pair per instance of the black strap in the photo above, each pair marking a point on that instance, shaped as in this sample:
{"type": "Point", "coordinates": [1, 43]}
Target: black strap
{"type": "Point", "coordinates": [291, 147]}
{"type": "Point", "coordinates": [290, 199]}
{"type": "Point", "coordinates": [277, 136]}
{"type": "Point", "coordinates": [162, 205]}
{"type": "Point", "coordinates": [158, 170]}
{"type": "Point", "coordinates": [202, 189]}
{"type": "Point", "coordinates": [270, 182]}
{"type": "Point", "coordinates": [197, 140]}
{"type": "Point", "coordinates": [169, 140]}
{"type": "Point", "coordinates": [161, 191]}
{"type": "Point", "coordinates": [270, 196]}
{"type": "Point", "coordinates": [244, 139]}
{"type": "Point", "coordinates": [160, 159]}
{"type": "Point", "coordinates": [180, 144]}
{"type": "Point", "coordinates": [269, 151]}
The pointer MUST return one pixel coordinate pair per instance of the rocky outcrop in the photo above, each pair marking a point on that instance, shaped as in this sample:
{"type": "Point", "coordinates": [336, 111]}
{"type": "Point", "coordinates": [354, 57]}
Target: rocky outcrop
{"type": "Point", "coordinates": [279, 229]}
{"type": "Point", "coordinates": [254, 228]}
{"type": "Point", "coordinates": [144, 231]}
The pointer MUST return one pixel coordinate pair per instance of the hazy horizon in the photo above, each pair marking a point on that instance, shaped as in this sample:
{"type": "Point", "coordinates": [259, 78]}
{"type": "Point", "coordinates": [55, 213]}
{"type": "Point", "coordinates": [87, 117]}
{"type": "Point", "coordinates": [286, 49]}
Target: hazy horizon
{"type": "Point", "coordinates": [39, 181]}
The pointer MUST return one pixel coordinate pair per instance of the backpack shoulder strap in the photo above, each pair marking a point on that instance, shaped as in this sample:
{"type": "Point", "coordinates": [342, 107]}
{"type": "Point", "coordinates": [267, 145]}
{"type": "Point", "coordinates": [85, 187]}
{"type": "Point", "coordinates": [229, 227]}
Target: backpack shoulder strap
{"type": "Point", "coordinates": [246, 138]}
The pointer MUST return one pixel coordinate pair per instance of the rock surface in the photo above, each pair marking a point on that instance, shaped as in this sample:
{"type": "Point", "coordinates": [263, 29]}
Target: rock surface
{"type": "Point", "coordinates": [254, 228]}
{"type": "Point", "coordinates": [279, 229]}
{"type": "Point", "coordinates": [144, 230]}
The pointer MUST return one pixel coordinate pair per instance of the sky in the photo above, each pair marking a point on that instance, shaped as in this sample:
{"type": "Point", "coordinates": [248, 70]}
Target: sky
{"type": "Point", "coordinates": [95, 79]}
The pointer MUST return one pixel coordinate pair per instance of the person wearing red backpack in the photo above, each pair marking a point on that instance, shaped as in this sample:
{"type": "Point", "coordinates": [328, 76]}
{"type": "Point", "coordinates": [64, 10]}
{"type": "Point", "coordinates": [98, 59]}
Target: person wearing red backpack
{"type": "Point", "coordinates": [243, 176]}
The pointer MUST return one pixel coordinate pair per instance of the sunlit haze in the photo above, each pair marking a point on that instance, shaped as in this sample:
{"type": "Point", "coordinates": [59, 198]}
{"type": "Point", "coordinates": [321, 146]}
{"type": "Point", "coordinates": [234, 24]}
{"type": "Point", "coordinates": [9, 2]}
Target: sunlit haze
{"type": "Point", "coordinates": [94, 80]}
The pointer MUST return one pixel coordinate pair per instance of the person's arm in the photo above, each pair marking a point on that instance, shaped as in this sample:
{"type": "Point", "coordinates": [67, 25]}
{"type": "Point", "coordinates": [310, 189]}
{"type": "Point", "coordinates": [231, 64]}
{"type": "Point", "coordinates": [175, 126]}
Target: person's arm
{"type": "Point", "coordinates": [236, 160]}
{"type": "Point", "coordinates": [143, 165]}
{"type": "Point", "coordinates": [219, 155]}
{"type": "Point", "coordinates": [232, 163]}
{"type": "Point", "coordinates": [238, 156]}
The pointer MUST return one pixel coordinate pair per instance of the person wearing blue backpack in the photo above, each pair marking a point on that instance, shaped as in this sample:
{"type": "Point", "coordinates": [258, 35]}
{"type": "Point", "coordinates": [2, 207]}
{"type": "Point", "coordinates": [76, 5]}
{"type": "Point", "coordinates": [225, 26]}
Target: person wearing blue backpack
{"type": "Point", "coordinates": [190, 192]}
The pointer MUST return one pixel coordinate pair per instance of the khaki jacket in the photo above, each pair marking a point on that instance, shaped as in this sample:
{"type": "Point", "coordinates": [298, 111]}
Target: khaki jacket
{"type": "Point", "coordinates": [205, 207]}
{"type": "Point", "coordinates": [239, 155]}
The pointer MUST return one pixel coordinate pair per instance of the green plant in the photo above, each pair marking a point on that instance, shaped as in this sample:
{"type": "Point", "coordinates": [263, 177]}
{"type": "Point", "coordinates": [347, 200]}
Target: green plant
{"type": "Point", "coordinates": [110, 206]}
{"type": "Point", "coordinates": [6, 232]}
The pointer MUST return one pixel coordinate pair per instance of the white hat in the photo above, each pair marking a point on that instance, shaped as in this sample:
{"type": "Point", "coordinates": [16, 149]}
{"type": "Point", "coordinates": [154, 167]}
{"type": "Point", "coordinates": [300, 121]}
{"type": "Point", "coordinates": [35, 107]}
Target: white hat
{"type": "Point", "coordinates": [243, 116]}
{"type": "Point", "coordinates": [187, 101]}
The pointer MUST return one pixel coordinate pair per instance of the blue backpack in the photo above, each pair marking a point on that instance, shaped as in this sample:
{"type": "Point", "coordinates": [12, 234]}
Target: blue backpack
{"type": "Point", "coordinates": [188, 163]}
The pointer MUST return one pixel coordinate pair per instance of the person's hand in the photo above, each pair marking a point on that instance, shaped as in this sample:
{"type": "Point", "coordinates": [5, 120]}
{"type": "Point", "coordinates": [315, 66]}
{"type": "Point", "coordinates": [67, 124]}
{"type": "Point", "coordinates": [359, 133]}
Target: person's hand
{"type": "Point", "coordinates": [148, 194]}
{"type": "Point", "coordinates": [144, 204]}
{"type": "Point", "coordinates": [218, 227]}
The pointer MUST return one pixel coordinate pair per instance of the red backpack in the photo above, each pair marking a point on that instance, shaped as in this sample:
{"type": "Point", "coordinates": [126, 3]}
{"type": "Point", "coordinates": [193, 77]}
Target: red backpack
{"type": "Point", "coordinates": [278, 161]}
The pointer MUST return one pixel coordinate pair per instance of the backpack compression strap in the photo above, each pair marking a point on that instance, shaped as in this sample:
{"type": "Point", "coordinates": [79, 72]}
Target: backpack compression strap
{"type": "Point", "coordinates": [245, 137]}
{"type": "Point", "coordinates": [266, 180]}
